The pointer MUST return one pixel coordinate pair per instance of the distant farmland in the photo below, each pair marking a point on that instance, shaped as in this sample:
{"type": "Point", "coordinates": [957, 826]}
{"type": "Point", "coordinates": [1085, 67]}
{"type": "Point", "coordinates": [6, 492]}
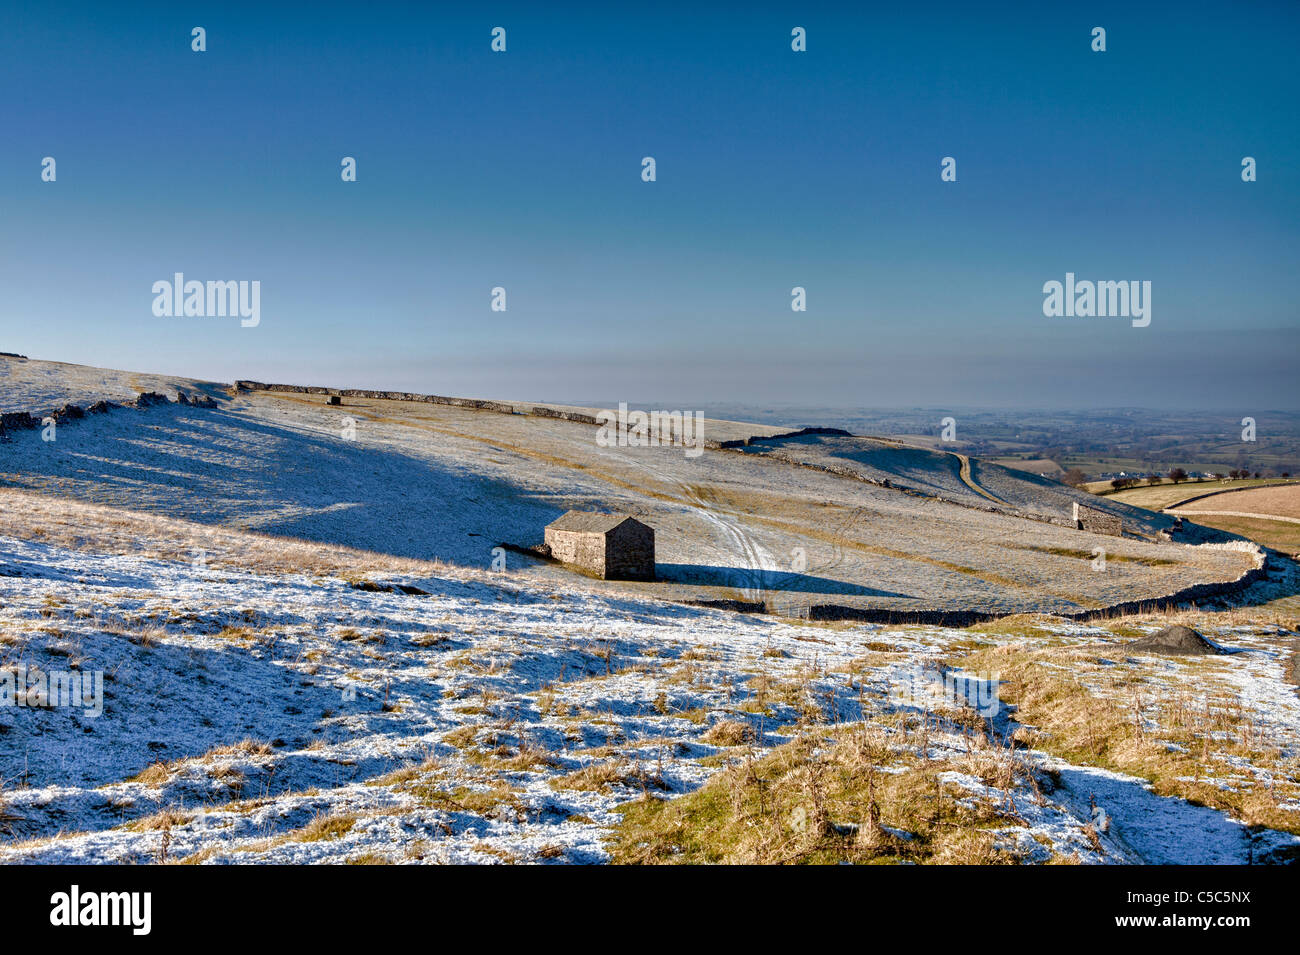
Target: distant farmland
{"type": "Point", "coordinates": [1283, 501]}
{"type": "Point", "coordinates": [1160, 496]}
{"type": "Point", "coordinates": [1268, 515]}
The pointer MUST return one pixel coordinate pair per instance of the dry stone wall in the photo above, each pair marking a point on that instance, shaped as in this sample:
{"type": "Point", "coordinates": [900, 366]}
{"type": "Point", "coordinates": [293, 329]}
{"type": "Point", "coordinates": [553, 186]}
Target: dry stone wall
{"type": "Point", "coordinates": [1158, 604]}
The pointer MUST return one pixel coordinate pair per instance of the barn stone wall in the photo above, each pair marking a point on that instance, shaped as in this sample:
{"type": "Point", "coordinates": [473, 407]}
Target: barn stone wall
{"type": "Point", "coordinates": [630, 553]}
{"type": "Point", "coordinates": [585, 549]}
{"type": "Point", "coordinates": [1097, 522]}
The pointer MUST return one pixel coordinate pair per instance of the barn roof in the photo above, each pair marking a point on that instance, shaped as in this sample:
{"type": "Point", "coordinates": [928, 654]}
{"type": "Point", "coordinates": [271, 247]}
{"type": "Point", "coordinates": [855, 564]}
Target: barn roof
{"type": "Point", "coordinates": [589, 522]}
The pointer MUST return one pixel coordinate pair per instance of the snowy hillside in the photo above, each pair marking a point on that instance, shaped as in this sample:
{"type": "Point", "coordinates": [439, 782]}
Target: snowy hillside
{"type": "Point", "coordinates": [252, 715]}
{"type": "Point", "coordinates": [235, 634]}
{"type": "Point", "coordinates": [436, 482]}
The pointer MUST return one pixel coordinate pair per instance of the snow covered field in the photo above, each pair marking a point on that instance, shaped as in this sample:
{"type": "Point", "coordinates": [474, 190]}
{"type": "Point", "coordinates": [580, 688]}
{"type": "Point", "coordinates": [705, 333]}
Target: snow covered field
{"type": "Point", "coordinates": [252, 714]}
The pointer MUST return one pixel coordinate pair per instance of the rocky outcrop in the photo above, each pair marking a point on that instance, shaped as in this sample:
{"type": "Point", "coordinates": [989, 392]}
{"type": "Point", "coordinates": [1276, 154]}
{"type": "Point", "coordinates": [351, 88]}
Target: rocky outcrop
{"type": "Point", "coordinates": [17, 421]}
{"type": "Point", "coordinates": [198, 401]}
{"type": "Point", "coordinates": [14, 421]}
{"type": "Point", "coordinates": [1175, 641]}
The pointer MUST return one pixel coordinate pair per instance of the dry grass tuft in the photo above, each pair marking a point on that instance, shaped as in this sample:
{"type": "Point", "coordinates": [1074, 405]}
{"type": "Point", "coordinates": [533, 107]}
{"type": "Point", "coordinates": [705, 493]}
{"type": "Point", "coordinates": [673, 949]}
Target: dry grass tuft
{"type": "Point", "coordinates": [728, 733]}
{"type": "Point", "coordinates": [325, 827]}
{"type": "Point", "coordinates": [603, 776]}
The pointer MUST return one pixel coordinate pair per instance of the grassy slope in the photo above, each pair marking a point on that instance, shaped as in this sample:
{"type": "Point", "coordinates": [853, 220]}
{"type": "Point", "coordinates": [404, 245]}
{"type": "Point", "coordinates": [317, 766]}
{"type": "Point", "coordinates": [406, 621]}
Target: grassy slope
{"type": "Point", "coordinates": [806, 802]}
{"type": "Point", "coordinates": [1180, 723]}
{"type": "Point", "coordinates": [1177, 728]}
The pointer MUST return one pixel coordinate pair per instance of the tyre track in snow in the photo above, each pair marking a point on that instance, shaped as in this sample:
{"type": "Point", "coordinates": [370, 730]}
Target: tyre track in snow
{"type": "Point", "coordinates": [759, 561]}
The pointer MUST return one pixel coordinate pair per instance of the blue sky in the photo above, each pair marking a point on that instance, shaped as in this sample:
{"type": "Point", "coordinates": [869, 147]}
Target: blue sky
{"type": "Point", "coordinates": [775, 169]}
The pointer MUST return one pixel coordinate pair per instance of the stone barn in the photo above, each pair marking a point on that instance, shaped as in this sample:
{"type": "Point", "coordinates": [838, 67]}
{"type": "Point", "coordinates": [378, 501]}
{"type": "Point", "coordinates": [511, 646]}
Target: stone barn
{"type": "Point", "coordinates": [611, 546]}
{"type": "Point", "coordinates": [1097, 521]}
